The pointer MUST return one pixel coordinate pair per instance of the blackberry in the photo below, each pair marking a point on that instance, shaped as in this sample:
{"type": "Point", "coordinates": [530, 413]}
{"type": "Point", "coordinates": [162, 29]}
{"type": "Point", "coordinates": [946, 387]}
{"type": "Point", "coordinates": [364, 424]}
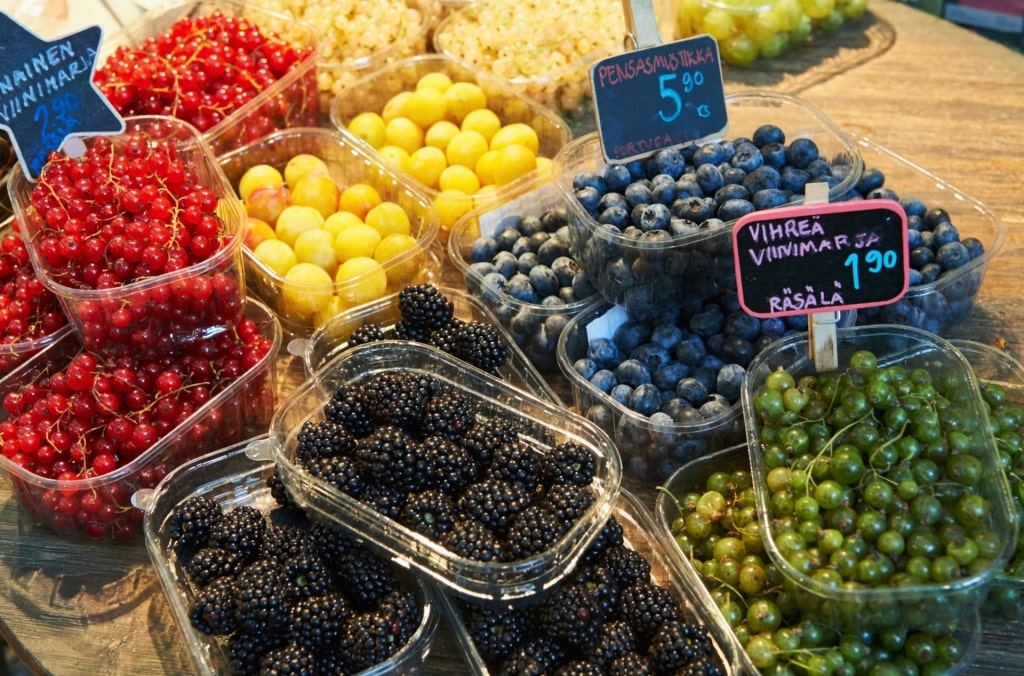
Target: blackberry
{"type": "Point", "coordinates": [630, 664]}
{"type": "Point", "coordinates": [449, 415]}
{"type": "Point", "coordinates": [394, 398]}
{"type": "Point", "coordinates": [346, 408]}
{"type": "Point", "coordinates": [578, 668]}
{"type": "Point", "coordinates": [450, 467]}
{"type": "Point", "coordinates": [523, 663]}
{"type": "Point", "coordinates": [518, 464]}
{"type": "Point", "coordinates": [569, 463]}
{"type": "Point", "coordinates": [291, 660]}
{"type": "Point", "coordinates": [192, 520]}
{"type": "Point", "coordinates": [568, 502]}
{"type": "Point", "coordinates": [534, 530]}
{"type": "Point", "coordinates": [444, 338]}
{"type": "Point", "coordinates": [627, 565]}
{"type": "Point", "coordinates": [278, 490]}
{"type": "Point", "coordinates": [494, 503]}
{"type": "Point", "coordinates": [368, 639]}
{"type": "Point", "coordinates": [317, 621]}
{"type": "Point", "coordinates": [211, 563]}
{"type": "Point", "coordinates": [703, 666]}
{"type": "Point", "coordinates": [571, 614]}
{"type": "Point", "coordinates": [384, 499]}
{"type": "Point", "coordinates": [403, 330]}
{"type": "Point", "coordinates": [484, 439]}
{"type": "Point", "coordinates": [213, 610]}
{"type": "Point", "coordinates": [345, 474]}
{"type": "Point", "coordinates": [495, 631]}
{"type": "Point", "coordinates": [308, 574]}
{"type": "Point", "coordinates": [602, 585]}
{"type": "Point", "coordinates": [645, 606]}
{"type": "Point", "coordinates": [323, 439]}
{"type": "Point", "coordinates": [677, 644]}
{"type": "Point", "coordinates": [481, 345]}
{"type": "Point", "coordinates": [286, 541]}
{"type": "Point", "coordinates": [613, 640]}
{"type": "Point", "coordinates": [609, 536]}
{"type": "Point", "coordinates": [406, 610]}
{"type": "Point", "coordinates": [423, 306]}
{"type": "Point", "coordinates": [332, 542]}
{"type": "Point", "coordinates": [369, 332]}
{"type": "Point", "coordinates": [247, 648]}
{"type": "Point", "coordinates": [367, 578]}
{"type": "Point", "coordinates": [391, 456]}
{"type": "Point", "coordinates": [431, 513]}
{"type": "Point", "coordinates": [241, 530]}
{"type": "Point", "coordinates": [472, 540]}
{"type": "Point", "coordinates": [549, 652]}
{"type": "Point", "coordinates": [263, 595]}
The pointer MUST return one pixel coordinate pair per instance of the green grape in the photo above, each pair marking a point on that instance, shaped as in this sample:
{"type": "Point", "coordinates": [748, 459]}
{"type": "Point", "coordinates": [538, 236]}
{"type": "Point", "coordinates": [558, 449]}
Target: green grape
{"type": "Point", "coordinates": [738, 50]}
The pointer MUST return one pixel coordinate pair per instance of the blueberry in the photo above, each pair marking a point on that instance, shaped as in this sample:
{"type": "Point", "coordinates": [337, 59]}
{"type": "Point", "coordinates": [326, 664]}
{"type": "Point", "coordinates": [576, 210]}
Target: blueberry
{"type": "Point", "coordinates": [797, 322]}
{"type": "Point", "coordinates": [638, 193]}
{"type": "Point", "coordinates": [557, 300]}
{"type": "Point", "coordinates": [555, 218]}
{"type": "Point", "coordinates": [617, 217]}
{"type": "Point", "coordinates": [645, 399]}
{"type": "Point", "coordinates": [763, 178]}
{"type": "Point", "coordinates": [621, 393]}
{"type": "Point", "coordinates": [630, 335]}
{"type": "Point", "coordinates": [952, 255]}
{"type": "Point", "coordinates": [651, 355]}
{"type": "Point", "coordinates": [774, 155]}
{"type": "Point", "coordinates": [536, 240]}
{"type": "Point", "coordinates": [636, 170]}
{"type": "Point", "coordinates": [521, 288]}
{"type": "Point", "coordinates": [589, 179]}
{"type": "Point", "coordinates": [602, 417]}
{"type": "Point", "coordinates": [770, 198]}
{"type": "Point", "coordinates": [691, 349]}
{"type": "Point", "coordinates": [482, 269]}
{"type": "Point", "coordinates": [553, 247]}
{"type": "Point", "coordinates": [506, 239]}
{"type": "Point", "coordinates": [632, 372]}
{"type": "Point", "coordinates": [543, 280]}
{"type": "Point", "coordinates": [483, 249]}
{"type": "Point", "coordinates": [654, 217]}
{"type": "Point", "coordinates": [692, 390]}
{"type": "Point", "coordinates": [525, 323]}
{"type": "Point", "coordinates": [554, 325]}
{"type": "Point", "coordinates": [709, 178]}
{"type": "Point", "coordinates": [913, 239]}
{"type": "Point", "coordinates": [945, 232]}
{"type": "Point", "coordinates": [870, 179]}
{"type": "Point", "coordinates": [974, 246]}
{"type": "Point", "coordinates": [882, 194]}
{"type": "Point", "coordinates": [731, 191]}
{"type": "Point", "coordinates": [586, 368]}
{"type": "Point", "coordinates": [915, 222]}
{"type": "Point", "coordinates": [666, 335]}
{"type": "Point", "coordinates": [527, 262]}
{"type": "Point", "coordinates": [683, 413]}
{"type": "Point", "coordinates": [611, 199]}
{"type": "Point", "coordinates": [708, 153]}
{"type": "Point", "coordinates": [747, 157]}
{"type": "Point", "coordinates": [742, 325]}
{"type": "Point", "coordinates": [565, 268]}
{"type": "Point", "coordinates": [688, 187]}
{"type": "Point", "coordinates": [921, 256]}
{"type": "Point", "coordinates": [582, 287]}
{"type": "Point", "coordinates": [603, 380]}
{"type": "Point", "coordinates": [914, 277]}
{"type": "Point", "coordinates": [695, 209]}
{"type": "Point", "coordinates": [604, 352]}
{"type": "Point", "coordinates": [506, 263]}
{"type": "Point", "coordinates": [913, 206]}
{"type": "Point", "coordinates": [664, 192]}
{"type": "Point", "coordinates": [934, 216]}
{"type": "Point", "coordinates": [492, 285]}
{"type": "Point", "coordinates": [588, 198]}
{"type": "Point", "coordinates": [715, 407]}
{"type": "Point", "coordinates": [732, 174]}
{"type": "Point", "coordinates": [670, 374]}
{"type": "Point", "coordinates": [735, 208]}
{"type": "Point", "coordinates": [772, 326]}
{"type": "Point", "coordinates": [766, 134]}
{"type": "Point", "coordinates": [616, 177]}
{"type": "Point", "coordinates": [737, 350]}
{"type": "Point", "coordinates": [682, 227]}
{"type": "Point", "coordinates": [801, 152]}
{"type": "Point", "coordinates": [531, 226]}
{"type": "Point", "coordinates": [793, 179]}
{"type": "Point", "coordinates": [928, 239]}
{"type": "Point", "coordinates": [667, 161]}
{"type": "Point", "coordinates": [521, 246]}
{"type": "Point", "coordinates": [730, 381]}
{"type": "Point", "coordinates": [714, 344]}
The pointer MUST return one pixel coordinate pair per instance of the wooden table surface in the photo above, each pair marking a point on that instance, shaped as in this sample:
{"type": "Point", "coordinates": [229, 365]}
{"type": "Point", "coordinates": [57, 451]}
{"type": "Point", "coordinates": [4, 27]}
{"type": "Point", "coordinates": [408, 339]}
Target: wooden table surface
{"type": "Point", "coordinates": [935, 93]}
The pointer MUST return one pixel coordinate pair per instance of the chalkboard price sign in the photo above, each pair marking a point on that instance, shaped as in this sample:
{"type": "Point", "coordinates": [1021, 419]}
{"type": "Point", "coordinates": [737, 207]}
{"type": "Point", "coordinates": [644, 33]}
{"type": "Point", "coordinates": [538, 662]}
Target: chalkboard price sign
{"type": "Point", "coordinates": [659, 97]}
{"type": "Point", "coordinates": [47, 94]}
{"type": "Point", "coordinates": [814, 258]}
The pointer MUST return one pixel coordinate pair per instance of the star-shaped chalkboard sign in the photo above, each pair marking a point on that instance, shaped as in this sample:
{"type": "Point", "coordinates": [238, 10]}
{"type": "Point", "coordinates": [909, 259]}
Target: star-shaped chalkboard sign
{"type": "Point", "coordinates": [47, 95]}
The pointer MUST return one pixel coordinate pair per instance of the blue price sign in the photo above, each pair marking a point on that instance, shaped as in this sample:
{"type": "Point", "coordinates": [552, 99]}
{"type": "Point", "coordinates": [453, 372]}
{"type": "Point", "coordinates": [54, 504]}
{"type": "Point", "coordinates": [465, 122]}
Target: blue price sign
{"type": "Point", "coordinates": [659, 97]}
{"type": "Point", "coordinates": [47, 94]}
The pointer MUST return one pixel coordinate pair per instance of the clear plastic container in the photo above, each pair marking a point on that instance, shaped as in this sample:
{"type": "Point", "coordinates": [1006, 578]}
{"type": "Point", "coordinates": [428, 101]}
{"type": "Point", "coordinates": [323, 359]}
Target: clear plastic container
{"type": "Point", "coordinates": [995, 366]}
{"type": "Point", "coordinates": [232, 478]}
{"type": "Point", "coordinates": [535, 327]}
{"type": "Point", "coordinates": [291, 101]}
{"type": "Point", "coordinates": [681, 267]}
{"type": "Point", "coordinates": [14, 353]}
{"type": "Point", "coordinates": [639, 534]}
{"type": "Point", "coordinates": [348, 163]}
{"type": "Point", "coordinates": [331, 339]}
{"type": "Point", "coordinates": [169, 309]}
{"type": "Point", "coordinates": [240, 410]}
{"type": "Point", "coordinates": [373, 91]}
{"type": "Point", "coordinates": [540, 50]}
{"type": "Point", "coordinates": [912, 600]}
{"type": "Point", "coordinates": [340, 66]}
{"type": "Point", "coordinates": [542, 425]}
{"type": "Point", "coordinates": [946, 303]}
{"type": "Point", "coordinates": [691, 479]}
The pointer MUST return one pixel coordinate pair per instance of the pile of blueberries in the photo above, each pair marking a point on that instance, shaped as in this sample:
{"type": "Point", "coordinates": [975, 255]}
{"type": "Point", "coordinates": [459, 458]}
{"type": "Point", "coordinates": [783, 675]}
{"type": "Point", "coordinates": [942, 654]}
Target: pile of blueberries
{"type": "Point", "coordinates": [652, 233]}
{"type": "Point", "coordinates": [528, 277]}
{"type": "Point", "coordinates": [938, 256]}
